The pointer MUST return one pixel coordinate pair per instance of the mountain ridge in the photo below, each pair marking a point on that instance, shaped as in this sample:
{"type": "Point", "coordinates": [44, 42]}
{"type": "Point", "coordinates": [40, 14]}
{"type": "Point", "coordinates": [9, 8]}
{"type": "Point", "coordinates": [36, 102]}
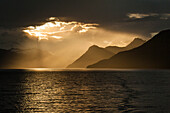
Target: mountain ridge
{"type": "Point", "coordinates": [88, 57]}
{"type": "Point", "coordinates": [155, 53]}
{"type": "Point", "coordinates": [135, 43]}
{"type": "Point", "coordinates": [96, 53]}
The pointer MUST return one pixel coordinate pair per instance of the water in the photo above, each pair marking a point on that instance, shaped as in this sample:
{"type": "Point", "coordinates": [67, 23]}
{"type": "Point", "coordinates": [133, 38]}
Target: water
{"type": "Point", "coordinates": [139, 91]}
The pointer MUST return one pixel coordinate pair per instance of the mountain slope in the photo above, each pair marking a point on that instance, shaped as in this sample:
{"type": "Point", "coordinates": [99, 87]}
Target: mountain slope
{"type": "Point", "coordinates": [135, 43]}
{"type": "Point", "coordinates": [95, 54]}
{"type": "Point", "coordinates": [153, 54]}
{"type": "Point", "coordinates": [32, 58]}
{"type": "Point", "coordinates": [7, 58]}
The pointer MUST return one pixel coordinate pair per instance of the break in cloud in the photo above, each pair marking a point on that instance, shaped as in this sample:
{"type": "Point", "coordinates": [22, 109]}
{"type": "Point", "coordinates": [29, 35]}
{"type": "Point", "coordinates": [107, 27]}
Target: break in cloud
{"type": "Point", "coordinates": [137, 18]}
{"type": "Point", "coordinates": [56, 29]}
{"type": "Point", "coordinates": [120, 21]}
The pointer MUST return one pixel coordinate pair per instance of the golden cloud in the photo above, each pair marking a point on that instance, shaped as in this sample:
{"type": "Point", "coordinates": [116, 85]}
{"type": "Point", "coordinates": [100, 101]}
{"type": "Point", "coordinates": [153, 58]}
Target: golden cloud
{"type": "Point", "coordinates": [55, 28]}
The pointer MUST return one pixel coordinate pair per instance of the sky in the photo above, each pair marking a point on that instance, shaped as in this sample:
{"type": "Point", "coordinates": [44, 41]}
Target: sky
{"type": "Point", "coordinates": [118, 22]}
{"type": "Point", "coordinates": [108, 13]}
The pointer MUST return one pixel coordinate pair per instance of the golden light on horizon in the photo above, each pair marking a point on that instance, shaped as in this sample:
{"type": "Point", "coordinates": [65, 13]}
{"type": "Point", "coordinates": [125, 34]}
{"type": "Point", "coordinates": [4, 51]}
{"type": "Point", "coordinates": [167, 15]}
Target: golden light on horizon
{"type": "Point", "coordinates": [55, 28]}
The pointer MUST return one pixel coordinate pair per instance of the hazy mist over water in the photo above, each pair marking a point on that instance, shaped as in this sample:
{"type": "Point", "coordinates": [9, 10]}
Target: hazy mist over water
{"type": "Point", "coordinates": [121, 91]}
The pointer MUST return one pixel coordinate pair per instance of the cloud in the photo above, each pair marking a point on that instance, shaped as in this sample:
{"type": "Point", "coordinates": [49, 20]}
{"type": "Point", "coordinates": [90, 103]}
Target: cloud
{"type": "Point", "coordinates": [165, 16]}
{"type": "Point", "coordinates": [57, 29]}
{"type": "Point", "coordinates": [120, 22]}
{"type": "Point", "coordinates": [110, 14]}
{"type": "Point", "coordinates": [140, 16]}
{"type": "Point", "coordinates": [14, 38]}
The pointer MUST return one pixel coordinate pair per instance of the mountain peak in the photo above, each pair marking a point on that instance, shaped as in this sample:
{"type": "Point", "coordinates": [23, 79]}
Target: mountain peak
{"type": "Point", "coordinates": [138, 39]}
{"type": "Point", "coordinates": [165, 31]}
{"type": "Point", "coordinates": [163, 34]}
{"type": "Point", "coordinates": [155, 53]}
{"type": "Point", "coordinates": [94, 46]}
{"type": "Point", "coordinates": [160, 41]}
{"type": "Point", "coordinates": [91, 56]}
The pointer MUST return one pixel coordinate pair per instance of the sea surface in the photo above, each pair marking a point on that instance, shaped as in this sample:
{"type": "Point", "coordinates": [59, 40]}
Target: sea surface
{"type": "Point", "coordinates": [84, 91]}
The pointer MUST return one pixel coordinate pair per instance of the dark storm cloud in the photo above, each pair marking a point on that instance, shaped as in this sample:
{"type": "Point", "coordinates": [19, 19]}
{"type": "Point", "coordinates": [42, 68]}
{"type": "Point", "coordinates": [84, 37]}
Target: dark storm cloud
{"type": "Point", "coordinates": [110, 14]}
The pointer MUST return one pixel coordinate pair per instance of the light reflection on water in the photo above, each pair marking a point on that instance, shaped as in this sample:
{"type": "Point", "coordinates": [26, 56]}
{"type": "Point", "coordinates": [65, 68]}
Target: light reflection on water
{"type": "Point", "coordinates": [85, 91]}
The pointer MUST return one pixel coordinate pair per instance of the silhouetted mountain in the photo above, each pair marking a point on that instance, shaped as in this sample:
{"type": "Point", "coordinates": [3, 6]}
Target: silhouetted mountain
{"type": "Point", "coordinates": [7, 57]}
{"type": "Point", "coordinates": [30, 58]}
{"type": "Point", "coordinates": [95, 54]}
{"type": "Point", "coordinates": [153, 54]}
{"type": "Point", "coordinates": [135, 43]}
{"type": "Point", "coordinates": [36, 58]}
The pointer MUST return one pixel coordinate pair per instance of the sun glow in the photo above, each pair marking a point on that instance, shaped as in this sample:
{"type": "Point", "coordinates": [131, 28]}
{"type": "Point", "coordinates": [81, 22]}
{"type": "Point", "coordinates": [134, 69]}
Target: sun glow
{"type": "Point", "coordinates": [55, 29]}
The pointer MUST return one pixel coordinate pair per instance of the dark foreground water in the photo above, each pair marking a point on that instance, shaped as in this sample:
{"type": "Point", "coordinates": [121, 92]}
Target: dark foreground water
{"type": "Point", "coordinates": [85, 91]}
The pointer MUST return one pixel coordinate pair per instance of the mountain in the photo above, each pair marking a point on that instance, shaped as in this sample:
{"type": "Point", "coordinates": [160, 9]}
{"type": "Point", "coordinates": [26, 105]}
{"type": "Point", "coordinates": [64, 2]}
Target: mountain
{"type": "Point", "coordinates": [94, 54]}
{"type": "Point", "coordinates": [135, 43]}
{"type": "Point", "coordinates": [155, 53]}
{"type": "Point", "coordinates": [31, 58]}
{"type": "Point", "coordinates": [7, 58]}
